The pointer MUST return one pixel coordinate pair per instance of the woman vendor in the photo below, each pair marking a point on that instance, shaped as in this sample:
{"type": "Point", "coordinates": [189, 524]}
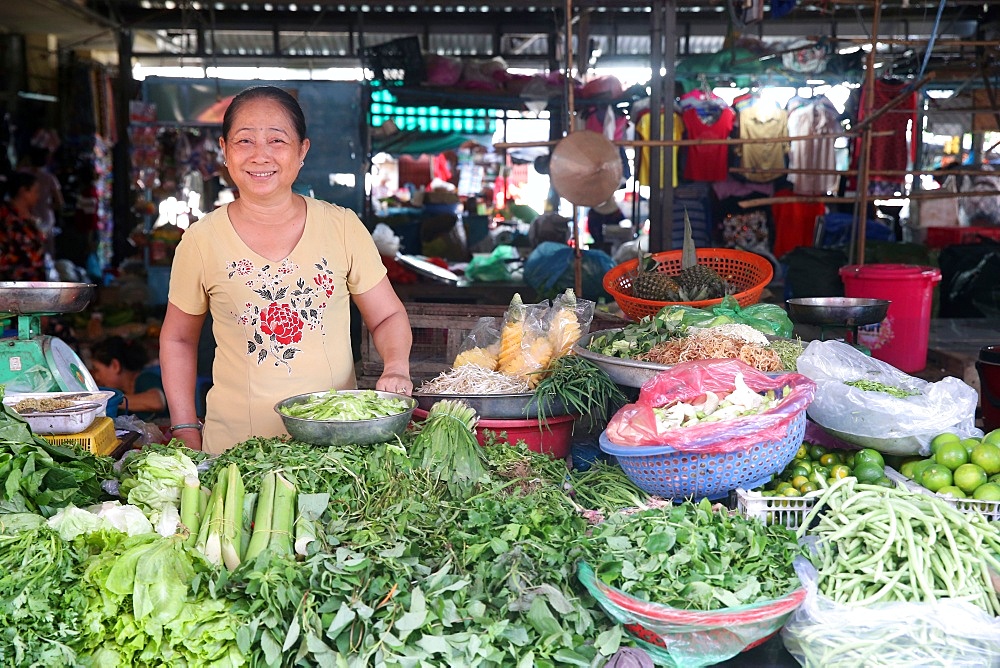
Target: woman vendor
{"type": "Point", "coordinates": [276, 270]}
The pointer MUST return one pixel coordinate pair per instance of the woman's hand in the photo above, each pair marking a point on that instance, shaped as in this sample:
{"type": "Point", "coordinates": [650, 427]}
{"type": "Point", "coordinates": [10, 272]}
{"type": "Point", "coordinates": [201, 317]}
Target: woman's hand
{"type": "Point", "coordinates": [190, 437]}
{"type": "Point", "coordinates": [395, 382]}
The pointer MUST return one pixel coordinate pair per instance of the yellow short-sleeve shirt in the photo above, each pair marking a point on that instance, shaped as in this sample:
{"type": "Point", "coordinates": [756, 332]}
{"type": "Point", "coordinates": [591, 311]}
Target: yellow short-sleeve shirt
{"type": "Point", "coordinates": [281, 328]}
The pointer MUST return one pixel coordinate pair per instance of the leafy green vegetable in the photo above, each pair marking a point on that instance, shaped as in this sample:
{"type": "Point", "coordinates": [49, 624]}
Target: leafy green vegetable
{"type": "Point", "coordinates": [639, 337]}
{"type": "Point", "coordinates": [446, 445]}
{"type": "Point", "coordinates": [694, 557]}
{"type": "Point", "coordinates": [334, 405]}
{"type": "Point", "coordinates": [157, 484]}
{"type": "Point", "coordinates": [37, 477]}
{"type": "Point", "coordinates": [875, 386]}
{"type": "Point", "coordinates": [583, 388]}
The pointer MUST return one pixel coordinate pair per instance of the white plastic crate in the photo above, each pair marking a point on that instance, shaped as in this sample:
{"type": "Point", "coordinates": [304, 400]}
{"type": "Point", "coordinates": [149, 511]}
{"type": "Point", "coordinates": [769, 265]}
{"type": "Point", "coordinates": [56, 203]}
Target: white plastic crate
{"type": "Point", "coordinates": [988, 509]}
{"type": "Point", "coordinates": [788, 510]}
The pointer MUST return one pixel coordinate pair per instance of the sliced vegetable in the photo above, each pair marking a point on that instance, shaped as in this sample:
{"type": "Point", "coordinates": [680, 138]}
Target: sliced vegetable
{"type": "Point", "coordinates": [347, 406]}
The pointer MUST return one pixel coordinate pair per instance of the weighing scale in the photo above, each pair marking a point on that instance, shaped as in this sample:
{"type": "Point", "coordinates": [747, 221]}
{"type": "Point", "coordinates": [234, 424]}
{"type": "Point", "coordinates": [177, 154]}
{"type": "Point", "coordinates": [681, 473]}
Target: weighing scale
{"type": "Point", "coordinates": [32, 361]}
{"type": "Point", "coordinates": [848, 313]}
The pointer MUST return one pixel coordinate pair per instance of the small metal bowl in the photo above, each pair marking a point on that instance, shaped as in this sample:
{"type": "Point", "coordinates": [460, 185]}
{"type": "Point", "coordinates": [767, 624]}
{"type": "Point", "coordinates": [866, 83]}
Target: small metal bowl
{"type": "Point", "coordinates": [346, 432]}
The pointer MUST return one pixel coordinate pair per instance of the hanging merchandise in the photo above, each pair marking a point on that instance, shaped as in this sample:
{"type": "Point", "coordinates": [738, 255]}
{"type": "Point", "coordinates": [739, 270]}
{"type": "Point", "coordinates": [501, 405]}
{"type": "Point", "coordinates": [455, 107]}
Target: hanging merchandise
{"type": "Point", "coordinates": [706, 116]}
{"type": "Point", "coordinates": [763, 120]}
{"type": "Point", "coordinates": [891, 152]}
{"type": "Point", "coordinates": [813, 117]}
{"type": "Point", "coordinates": [794, 223]}
{"type": "Point", "coordinates": [643, 130]}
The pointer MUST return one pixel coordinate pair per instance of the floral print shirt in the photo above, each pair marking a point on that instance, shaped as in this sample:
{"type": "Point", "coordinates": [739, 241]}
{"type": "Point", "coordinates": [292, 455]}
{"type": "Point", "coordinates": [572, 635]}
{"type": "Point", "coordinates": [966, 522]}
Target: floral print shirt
{"type": "Point", "coordinates": [282, 328]}
{"type": "Point", "coordinates": [22, 247]}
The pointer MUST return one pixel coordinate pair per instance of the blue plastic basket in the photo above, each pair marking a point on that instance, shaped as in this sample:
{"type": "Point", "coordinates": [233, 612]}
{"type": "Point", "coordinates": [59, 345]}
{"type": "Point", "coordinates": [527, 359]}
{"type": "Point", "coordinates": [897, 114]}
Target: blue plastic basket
{"type": "Point", "coordinates": [671, 474]}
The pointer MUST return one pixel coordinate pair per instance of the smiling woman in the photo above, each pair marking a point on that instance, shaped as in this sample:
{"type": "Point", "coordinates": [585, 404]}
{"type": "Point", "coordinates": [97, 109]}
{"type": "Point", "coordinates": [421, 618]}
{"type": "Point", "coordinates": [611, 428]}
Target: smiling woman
{"type": "Point", "coordinates": [277, 271]}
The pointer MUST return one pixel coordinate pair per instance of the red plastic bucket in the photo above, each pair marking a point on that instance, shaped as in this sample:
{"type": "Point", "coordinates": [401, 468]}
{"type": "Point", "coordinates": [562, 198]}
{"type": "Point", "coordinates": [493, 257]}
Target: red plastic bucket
{"type": "Point", "coordinates": [553, 438]}
{"type": "Point", "coordinates": [988, 366]}
{"type": "Point", "coordinates": [900, 339]}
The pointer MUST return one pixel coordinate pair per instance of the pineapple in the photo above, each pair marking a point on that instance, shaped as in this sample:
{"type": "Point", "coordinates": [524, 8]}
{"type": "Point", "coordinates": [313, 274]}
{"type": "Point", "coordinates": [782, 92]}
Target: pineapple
{"type": "Point", "coordinates": [697, 281]}
{"type": "Point", "coordinates": [511, 337]}
{"type": "Point", "coordinates": [653, 285]}
{"type": "Point", "coordinates": [480, 357]}
{"type": "Point", "coordinates": [564, 329]}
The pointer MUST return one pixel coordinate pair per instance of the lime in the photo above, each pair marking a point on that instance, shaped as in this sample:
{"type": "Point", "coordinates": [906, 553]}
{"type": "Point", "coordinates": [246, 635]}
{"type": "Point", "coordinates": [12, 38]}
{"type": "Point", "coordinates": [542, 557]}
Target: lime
{"type": "Point", "coordinates": [941, 439]}
{"type": "Point", "coordinates": [791, 491]}
{"type": "Point", "coordinates": [808, 487]}
{"type": "Point", "coordinates": [995, 478]}
{"type": "Point", "coordinates": [839, 471]}
{"type": "Point", "coordinates": [816, 451]}
{"type": "Point", "coordinates": [829, 459]}
{"type": "Point", "coordinates": [802, 452]}
{"type": "Point", "coordinates": [992, 437]}
{"type": "Point", "coordinates": [870, 456]}
{"type": "Point", "coordinates": [970, 443]}
{"type": "Point", "coordinates": [988, 492]}
{"type": "Point", "coordinates": [951, 490]}
{"type": "Point", "coordinates": [849, 460]}
{"type": "Point", "coordinates": [968, 477]}
{"type": "Point", "coordinates": [798, 470]}
{"type": "Point", "coordinates": [868, 472]}
{"type": "Point", "coordinates": [798, 481]}
{"type": "Point", "coordinates": [919, 468]}
{"type": "Point", "coordinates": [986, 455]}
{"type": "Point", "coordinates": [884, 482]}
{"type": "Point", "coordinates": [935, 477]}
{"type": "Point", "coordinates": [907, 469]}
{"type": "Point", "coordinates": [782, 486]}
{"type": "Point", "coordinates": [951, 455]}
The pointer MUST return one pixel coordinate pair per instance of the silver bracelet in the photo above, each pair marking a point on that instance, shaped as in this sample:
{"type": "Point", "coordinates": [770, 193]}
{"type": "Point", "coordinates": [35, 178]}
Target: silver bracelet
{"type": "Point", "coordinates": [186, 425]}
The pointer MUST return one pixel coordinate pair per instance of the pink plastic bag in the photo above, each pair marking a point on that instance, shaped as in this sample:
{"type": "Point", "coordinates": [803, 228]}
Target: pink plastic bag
{"type": "Point", "coordinates": [636, 424]}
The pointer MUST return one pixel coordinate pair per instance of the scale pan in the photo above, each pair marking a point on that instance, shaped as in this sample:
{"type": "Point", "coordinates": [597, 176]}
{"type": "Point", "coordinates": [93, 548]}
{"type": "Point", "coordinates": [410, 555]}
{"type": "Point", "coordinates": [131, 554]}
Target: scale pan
{"type": "Point", "coordinates": [842, 311]}
{"type": "Point", "coordinates": [41, 297]}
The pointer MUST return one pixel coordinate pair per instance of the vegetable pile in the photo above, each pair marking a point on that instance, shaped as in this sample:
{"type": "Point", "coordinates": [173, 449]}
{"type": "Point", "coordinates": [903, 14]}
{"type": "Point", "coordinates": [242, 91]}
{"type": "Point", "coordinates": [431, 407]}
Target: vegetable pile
{"type": "Point", "coordinates": [345, 406]}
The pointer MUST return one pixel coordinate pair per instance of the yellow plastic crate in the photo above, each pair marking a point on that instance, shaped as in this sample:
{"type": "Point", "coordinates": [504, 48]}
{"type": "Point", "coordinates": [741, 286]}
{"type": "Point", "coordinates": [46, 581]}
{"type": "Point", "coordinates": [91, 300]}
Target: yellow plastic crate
{"type": "Point", "coordinates": [100, 437]}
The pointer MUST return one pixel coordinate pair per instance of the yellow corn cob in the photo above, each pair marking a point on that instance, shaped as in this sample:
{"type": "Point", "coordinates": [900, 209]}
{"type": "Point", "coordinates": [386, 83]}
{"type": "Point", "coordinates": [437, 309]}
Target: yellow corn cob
{"type": "Point", "coordinates": [564, 330]}
{"type": "Point", "coordinates": [480, 357]}
{"type": "Point", "coordinates": [511, 337]}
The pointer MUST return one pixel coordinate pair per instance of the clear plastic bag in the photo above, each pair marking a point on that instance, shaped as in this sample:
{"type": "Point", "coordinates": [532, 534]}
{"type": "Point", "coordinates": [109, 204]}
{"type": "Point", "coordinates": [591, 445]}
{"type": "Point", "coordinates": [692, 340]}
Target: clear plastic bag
{"type": "Point", "coordinates": [765, 318]}
{"type": "Point", "coordinates": [567, 320]}
{"type": "Point", "coordinates": [948, 633]}
{"type": "Point", "coordinates": [690, 638]}
{"type": "Point", "coordinates": [481, 345]}
{"type": "Point", "coordinates": [901, 426]}
{"type": "Point", "coordinates": [636, 424]}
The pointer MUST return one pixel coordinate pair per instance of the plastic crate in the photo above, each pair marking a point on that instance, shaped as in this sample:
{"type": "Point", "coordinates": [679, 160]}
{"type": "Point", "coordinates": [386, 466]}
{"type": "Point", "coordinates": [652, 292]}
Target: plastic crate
{"type": "Point", "coordinates": [395, 63]}
{"type": "Point", "coordinates": [939, 237]}
{"type": "Point", "coordinates": [100, 437]}
{"type": "Point", "coordinates": [988, 509]}
{"type": "Point", "coordinates": [788, 511]}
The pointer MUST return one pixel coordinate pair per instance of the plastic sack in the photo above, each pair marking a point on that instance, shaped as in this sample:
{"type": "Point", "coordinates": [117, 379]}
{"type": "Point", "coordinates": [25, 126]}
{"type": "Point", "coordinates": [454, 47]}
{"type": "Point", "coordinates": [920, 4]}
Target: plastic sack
{"type": "Point", "coordinates": [765, 318]}
{"type": "Point", "coordinates": [899, 426]}
{"type": "Point", "coordinates": [636, 424]}
{"type": "Point", "coordinates": [481, 346]}
{"type": "Point", "coordinates": [492, 267]}
{"type": "Point", "coordinates": [385, 240]}
{"type": "Point", "coordinates": [550, 269]}
{"type": "Point", "coordinates": [690, 638]}
{"type": "Point", "coordinates": [148, 432]}
{"type": "Point", "coordinates": [824, 634]}
{"type": "Point", "coordinates": [567, 320]}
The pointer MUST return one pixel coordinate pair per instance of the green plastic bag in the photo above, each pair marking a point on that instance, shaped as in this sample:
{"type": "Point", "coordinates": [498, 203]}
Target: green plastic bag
{"type": "Point", "coordinates": [765, 318]}
{"type": "Point", "coordinates": [492, 267]}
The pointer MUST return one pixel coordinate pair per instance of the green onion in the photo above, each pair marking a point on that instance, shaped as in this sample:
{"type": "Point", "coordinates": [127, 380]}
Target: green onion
{"type": "Point", "coordinates": [232, 527]}
{"type": "Point", "coordinates": [447, 446]}
{"type": "Point", "coordinates": [263, 516]}
{"type": "Point", "coordinates": [583, 388]}
{"type": "Point", "coordinates": [191, 508]}
{"type": "Point", "coordinates": [875, 386]}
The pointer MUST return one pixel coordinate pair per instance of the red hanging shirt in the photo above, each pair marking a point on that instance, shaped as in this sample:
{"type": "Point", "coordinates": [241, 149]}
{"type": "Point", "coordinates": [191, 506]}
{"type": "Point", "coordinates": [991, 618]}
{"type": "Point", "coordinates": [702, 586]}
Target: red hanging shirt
{"type": "Point", "coordinates": [707, 162]}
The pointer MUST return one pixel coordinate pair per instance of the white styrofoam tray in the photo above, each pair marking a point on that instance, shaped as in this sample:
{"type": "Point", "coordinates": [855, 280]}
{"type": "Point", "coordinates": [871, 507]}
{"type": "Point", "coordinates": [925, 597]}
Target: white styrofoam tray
{"type": "Point", "coordinates": [101, 397]}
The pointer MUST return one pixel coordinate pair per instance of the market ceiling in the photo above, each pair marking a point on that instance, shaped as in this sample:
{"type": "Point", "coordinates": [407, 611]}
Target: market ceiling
{"type": "Point", "coordinates": [330, 33]}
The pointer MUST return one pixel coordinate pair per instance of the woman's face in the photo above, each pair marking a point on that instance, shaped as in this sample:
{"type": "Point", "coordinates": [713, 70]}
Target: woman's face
{"type": "Point", "coordinates": [262, 151]}
{"type": "Point", "coordinates": [106, 375]}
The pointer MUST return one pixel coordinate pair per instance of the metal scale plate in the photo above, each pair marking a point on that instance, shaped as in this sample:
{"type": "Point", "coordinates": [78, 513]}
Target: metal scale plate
{"type": "Point", "coordinates": [848, 313]}
{"type": "Point", "coordinates": [31, 361]}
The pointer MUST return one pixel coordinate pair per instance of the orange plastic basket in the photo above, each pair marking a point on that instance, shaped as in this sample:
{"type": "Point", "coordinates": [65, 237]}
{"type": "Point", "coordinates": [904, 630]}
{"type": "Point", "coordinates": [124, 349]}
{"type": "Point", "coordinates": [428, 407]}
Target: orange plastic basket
{"type": "Point", "coordinates": [747, 272]}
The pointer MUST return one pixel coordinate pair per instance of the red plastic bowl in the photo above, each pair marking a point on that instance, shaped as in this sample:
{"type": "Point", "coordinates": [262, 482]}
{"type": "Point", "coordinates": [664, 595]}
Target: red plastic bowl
{"type": "Point", "coordinates": [554, 438]}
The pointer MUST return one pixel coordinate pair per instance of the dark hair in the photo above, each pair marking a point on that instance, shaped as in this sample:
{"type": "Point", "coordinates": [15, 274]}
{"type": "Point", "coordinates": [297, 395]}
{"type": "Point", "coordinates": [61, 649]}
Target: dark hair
{"type": "Point", "coordinates": [38, 156]}
{"type": "Point", "coordinates": [130, 354]}
{"type": "Point", "coordinates": [18, 181]}
{"type": "Point", "coordinates": [273, 93]}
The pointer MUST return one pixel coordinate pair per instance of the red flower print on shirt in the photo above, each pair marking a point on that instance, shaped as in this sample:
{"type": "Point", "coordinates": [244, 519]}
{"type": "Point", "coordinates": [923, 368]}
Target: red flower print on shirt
{"type": "Point", "coordinates": [286, 308]}
{"type": "Point", "coordinates": [281, 322]}
{"type": "Point", "coordinates": [325, 282]}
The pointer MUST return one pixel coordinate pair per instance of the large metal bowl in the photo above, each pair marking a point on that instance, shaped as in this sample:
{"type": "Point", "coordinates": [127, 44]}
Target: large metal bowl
{"type": "Point", "coordinates": [496, 406]}
{"type": "Point", "coordinates": [626, 372]}
{"type": "Point", "coordinates": [346, 432]}
{"type": "Point", "coordinates": [27, 297]}
{"type": "Point", "coordinates": [842, 311]}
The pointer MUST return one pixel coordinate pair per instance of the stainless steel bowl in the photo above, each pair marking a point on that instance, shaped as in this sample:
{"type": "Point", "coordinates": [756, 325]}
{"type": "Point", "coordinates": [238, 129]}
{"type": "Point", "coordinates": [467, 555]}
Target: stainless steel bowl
{"type": "Point", "coordinates": [842, 311]}
{"type": "Point", "coordinates": [25, 297]}
{"type": "Point", "coordinates": [630, 373]}
{"type": "Point", "coordinates": [496, 406]}
{"type": "Point", "coordinates": [346, 432]}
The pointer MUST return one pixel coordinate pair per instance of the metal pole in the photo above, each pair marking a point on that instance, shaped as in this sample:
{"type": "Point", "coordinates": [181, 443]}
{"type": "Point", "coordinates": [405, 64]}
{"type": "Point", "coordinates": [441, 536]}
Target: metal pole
{"type": "Point", "coordinates": [866, 140]}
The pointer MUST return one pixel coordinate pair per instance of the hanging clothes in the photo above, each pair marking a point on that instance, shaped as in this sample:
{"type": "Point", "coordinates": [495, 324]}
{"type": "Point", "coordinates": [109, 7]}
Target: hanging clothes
{"type": "Point", "coordinates": [816, 117]}
{"type": "Point", "coordinates": [643, 129]}
{"type": "Point", "coordinates": [894, 151]}
{"type": "Point", "coordinates": [763, 120]}
{"type": "Point", "coordinates": [707, 162]}
{"type": "Point", "coordinates": [794, 223]}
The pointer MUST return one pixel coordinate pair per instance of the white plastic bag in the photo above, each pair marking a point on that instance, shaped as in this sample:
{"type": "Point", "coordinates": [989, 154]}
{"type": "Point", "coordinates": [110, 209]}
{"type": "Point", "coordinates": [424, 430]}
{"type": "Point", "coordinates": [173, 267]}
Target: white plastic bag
{"type": "Point", "coordinates": [899, 426]}
{"type": "Point", "coordinates": [947, 634]}
{"type": "Point", "coordinates": [385, 240]}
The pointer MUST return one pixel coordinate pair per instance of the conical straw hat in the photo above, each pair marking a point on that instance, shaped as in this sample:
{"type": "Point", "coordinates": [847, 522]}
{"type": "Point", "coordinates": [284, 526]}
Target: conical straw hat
{"type": "Point", "coordinates": [585, 168]}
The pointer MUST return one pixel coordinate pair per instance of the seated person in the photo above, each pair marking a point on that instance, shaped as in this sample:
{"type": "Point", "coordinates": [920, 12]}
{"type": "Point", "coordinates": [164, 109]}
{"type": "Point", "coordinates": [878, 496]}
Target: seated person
{"type": "Point", "coordinates": [118, 364]}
